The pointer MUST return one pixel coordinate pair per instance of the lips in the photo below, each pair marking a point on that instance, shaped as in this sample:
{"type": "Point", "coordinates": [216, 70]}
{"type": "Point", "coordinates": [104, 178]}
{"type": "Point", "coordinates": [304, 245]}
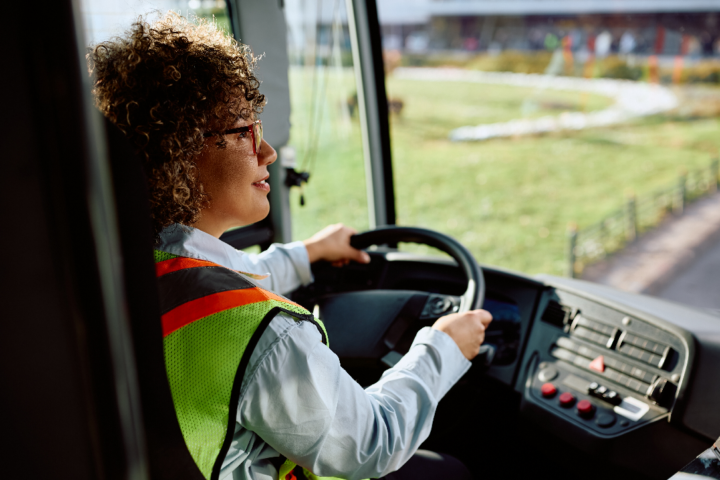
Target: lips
{"type": "Point", "coordinates": [262, 184]}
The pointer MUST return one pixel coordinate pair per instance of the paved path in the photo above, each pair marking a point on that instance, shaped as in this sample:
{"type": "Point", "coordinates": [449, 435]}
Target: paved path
{"type": "Point", "coordinates": [632, 99]}
{"type": "Point", "coordinates": [679, 260]}
{"type": "Point", "coordinates": [699, 284]}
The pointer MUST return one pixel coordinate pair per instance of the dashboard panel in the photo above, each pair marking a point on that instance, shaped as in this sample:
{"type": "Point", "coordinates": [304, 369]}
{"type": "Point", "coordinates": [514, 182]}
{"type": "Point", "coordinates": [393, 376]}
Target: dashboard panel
{"type": "Point", "coordinates": [621, 378]}
{"type": "Point", "coordinates": [602, 369]}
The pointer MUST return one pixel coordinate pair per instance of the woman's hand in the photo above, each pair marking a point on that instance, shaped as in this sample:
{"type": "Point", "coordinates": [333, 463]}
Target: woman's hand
{"type": "Point", "coordinates": [332, 244]}
{"type": "Point", "coordinates": [467, 329]}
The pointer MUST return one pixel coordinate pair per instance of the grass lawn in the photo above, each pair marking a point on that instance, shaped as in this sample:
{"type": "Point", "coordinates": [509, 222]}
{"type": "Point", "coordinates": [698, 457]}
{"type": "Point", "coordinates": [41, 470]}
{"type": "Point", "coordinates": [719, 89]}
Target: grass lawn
{"type": "Point", "coordinates": [508, 200]}
{"type": "Point", "coordinates": [432, 109]}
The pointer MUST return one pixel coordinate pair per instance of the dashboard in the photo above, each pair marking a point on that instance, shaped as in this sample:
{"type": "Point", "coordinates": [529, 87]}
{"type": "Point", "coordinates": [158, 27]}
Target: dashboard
{"type": "Point", "coordinates": [602, 369]}
{"type": "Point", "coordinates": [624, 379]}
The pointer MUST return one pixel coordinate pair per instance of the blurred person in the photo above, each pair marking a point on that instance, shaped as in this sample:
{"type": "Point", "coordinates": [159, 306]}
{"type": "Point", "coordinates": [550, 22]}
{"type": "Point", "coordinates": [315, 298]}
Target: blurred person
{"type": "Point", "coordinates": [256, 391]}
{"type": "Point", "coordinates": [603, 44]}
{"type": "Point", "coordinates": [627, 43]}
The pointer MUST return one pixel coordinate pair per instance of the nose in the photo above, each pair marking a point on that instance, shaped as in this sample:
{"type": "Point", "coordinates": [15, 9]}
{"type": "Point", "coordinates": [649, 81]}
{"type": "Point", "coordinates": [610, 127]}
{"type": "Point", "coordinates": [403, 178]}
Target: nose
{"type": "Point", "coordinates": [267, 154]}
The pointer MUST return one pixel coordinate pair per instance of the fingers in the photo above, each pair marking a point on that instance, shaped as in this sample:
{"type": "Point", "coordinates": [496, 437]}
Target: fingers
{"type": "Point", "coordinates": [485, 317]}
{"type": "Point", "coordinates": [332, 244]}
{"type": "Point", "coordinates": [351, 253]}
{"type": "Point", "coordinates": [360, 256]}
{"type": "Point", "coordinates": [354, 255]}
{"type": "Point", "coordinates": [466, 329]}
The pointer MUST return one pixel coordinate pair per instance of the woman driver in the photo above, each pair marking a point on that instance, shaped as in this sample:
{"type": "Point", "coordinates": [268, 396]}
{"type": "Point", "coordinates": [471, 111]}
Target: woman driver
{"type": "Point", "coordinates": [252, 380]}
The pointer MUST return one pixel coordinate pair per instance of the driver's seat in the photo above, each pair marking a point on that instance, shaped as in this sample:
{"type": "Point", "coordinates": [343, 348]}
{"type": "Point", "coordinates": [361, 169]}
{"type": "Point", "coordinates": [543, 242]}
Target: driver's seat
{"type": "Point", "coordinates": [169, 458]}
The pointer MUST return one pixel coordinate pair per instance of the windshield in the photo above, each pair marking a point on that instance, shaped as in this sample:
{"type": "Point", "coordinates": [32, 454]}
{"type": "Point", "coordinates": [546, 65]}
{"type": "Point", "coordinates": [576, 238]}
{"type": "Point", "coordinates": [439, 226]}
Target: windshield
{"type": "Point", "coordinates": [545, 139]}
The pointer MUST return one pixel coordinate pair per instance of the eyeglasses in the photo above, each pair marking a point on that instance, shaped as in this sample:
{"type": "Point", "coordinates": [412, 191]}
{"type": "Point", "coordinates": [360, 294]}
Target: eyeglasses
{"type": "Point", "coordinates": [255, 130]}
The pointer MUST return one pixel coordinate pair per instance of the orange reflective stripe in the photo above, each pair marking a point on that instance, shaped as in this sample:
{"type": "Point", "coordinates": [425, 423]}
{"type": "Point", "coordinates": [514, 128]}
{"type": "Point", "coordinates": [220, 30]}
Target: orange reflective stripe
{"type": "Point", "coordinates": [178, 263]}
{"type": "Point", "coordinates": [188, 312]}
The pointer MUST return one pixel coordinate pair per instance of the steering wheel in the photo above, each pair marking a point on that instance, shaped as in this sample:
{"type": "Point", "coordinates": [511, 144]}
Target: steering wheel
{"type": "Point", "coordinates": [365, 327]}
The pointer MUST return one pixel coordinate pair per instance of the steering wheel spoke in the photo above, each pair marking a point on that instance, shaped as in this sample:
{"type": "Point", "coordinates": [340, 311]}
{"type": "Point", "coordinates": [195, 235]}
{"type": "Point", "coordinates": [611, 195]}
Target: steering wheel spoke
{"type": "Point", "coordinates": [364, 326]}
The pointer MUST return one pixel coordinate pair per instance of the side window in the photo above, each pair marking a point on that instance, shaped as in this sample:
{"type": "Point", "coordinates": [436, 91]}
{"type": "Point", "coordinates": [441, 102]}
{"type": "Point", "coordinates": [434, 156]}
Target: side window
{"type": "Point", "coordinates": [325, 138]}
{"type": "Point", "coordinates": [105, 18]}
{"type": "Point", "coordinates": [512, 128]}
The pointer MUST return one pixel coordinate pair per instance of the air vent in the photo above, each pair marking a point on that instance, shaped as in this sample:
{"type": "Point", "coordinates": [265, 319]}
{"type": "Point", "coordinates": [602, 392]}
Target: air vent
{"type": "Point", "coordinates": [555, 314]}
{"type": "Point", "coordinates": [595, 332]}
{"type": "Point", "coordinates": [643, 349]}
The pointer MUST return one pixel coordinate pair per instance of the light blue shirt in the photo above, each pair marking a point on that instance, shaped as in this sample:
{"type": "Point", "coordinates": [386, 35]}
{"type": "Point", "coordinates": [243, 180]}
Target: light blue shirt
{"type": "Point", "coordinates": [297, 401]}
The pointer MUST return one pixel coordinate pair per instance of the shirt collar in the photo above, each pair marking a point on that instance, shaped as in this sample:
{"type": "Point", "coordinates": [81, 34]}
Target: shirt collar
{"type": "Point", "coordinates": [193, 243]}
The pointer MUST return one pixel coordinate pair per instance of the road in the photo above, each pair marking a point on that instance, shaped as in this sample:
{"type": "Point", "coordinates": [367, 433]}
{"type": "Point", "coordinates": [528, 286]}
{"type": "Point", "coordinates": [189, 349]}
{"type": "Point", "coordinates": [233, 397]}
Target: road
{"type": "Point", "coordinates": [678, 261]}
{"type": "Point", "coordinates": [698, 284]}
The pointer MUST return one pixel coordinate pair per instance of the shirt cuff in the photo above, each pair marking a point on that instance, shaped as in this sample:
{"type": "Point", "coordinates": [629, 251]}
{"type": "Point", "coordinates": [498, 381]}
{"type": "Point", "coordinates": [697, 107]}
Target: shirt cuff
{"type": "Point", "coordinates": [453, 364]}
{"type": "Point", "coordinates": [299, 256]}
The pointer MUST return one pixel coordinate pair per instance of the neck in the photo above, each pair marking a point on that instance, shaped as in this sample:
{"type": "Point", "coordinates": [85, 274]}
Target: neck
{"type": "Point", "coordinates": [211, 227]}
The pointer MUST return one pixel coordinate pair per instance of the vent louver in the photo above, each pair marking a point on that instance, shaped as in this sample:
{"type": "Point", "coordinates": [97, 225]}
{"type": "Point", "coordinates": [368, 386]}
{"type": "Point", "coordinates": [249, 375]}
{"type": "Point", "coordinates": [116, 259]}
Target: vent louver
{"type": "Point", "coordinates": [554, 314]}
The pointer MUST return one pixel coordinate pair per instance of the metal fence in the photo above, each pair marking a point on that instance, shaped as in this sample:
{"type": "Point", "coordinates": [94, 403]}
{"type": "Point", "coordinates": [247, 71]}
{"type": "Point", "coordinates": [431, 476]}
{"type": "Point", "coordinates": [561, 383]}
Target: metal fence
{"type": "Point", "coordinates": [640, 214]}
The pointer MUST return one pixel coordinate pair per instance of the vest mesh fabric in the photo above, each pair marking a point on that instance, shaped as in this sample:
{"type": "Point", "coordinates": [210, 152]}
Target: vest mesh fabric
{"type": "Point", "coordinates": [202, 359]}
{"type": "Point", "coordinates": [162, 256]}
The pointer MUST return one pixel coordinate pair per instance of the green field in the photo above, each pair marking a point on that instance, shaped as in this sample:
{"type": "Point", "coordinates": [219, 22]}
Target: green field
{"type": "Point", "coordinates": [508, 200]}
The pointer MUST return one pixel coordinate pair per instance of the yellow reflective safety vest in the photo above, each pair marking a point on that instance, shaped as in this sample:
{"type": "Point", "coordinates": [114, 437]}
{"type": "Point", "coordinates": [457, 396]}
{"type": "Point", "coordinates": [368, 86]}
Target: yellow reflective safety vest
{"type": "Point", "coordinates": [212, 319]}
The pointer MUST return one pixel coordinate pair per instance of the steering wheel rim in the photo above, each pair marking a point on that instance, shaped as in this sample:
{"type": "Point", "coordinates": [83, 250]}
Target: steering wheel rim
{"type": "Point", "coordinates": [474, 294]}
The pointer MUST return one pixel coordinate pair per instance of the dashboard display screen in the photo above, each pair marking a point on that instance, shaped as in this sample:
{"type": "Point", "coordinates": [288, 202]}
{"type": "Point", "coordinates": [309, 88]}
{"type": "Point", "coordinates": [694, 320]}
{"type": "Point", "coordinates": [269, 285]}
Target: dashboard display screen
{"type": "Point", "coordinates": [504, 331]}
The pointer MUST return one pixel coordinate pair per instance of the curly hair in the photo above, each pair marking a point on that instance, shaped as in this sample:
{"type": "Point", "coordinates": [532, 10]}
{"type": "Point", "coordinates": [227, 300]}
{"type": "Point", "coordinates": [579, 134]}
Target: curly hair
{"type": "Point", "coordinates": [165, 85]}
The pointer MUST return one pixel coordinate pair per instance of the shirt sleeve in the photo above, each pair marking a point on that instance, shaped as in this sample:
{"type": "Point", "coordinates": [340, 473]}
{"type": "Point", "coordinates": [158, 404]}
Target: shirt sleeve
{"type": "Point", "coordinates": [288, 266]}
{"type": "Point", "coordinates": [300, 401]}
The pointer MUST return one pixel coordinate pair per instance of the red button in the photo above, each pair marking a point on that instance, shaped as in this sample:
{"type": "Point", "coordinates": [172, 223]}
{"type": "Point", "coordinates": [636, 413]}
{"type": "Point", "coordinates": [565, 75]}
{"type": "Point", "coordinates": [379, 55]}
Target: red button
{"type": "Point", "coordinates": [567, 400]}
{"type": "Point", "coordinates": [548, 390]}
{"type": "Point", "coordinates": [585, 408]}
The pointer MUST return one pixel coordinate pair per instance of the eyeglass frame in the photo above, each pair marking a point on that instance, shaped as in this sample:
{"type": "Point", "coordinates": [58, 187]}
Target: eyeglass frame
{"type": "Point", "coordinates": [247, 128]}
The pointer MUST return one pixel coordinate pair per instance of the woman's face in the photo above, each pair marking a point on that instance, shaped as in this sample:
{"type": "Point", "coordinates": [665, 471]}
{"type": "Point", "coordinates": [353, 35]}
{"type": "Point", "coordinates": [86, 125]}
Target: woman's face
{"type": "Point", "coordinates": [235, 180]}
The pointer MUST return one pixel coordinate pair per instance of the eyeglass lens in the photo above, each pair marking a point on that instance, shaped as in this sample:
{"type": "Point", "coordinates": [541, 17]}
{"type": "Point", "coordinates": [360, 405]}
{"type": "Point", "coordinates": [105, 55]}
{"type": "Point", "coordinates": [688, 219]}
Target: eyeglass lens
{"type": "Point", "coordinates": [258, 134]}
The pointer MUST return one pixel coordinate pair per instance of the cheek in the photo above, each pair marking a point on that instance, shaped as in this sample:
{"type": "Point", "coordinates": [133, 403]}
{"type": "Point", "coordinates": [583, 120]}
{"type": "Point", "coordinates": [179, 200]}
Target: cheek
{"type": "Point", "coordinates": [238, 173]}
{"type": "Point", "coordinates": [226, 172]}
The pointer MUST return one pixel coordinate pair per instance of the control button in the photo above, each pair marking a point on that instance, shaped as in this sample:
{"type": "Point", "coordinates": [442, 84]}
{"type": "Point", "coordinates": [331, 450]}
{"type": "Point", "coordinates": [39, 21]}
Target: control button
{"type": "Point", "coordinates": [624, 423]}
{"type": "Point", "coordinates": [567, 400]}
{"type": "Point", "coordinates": [598, 364]}
{"type": "Point", "coordinates": [662, 392]}
{"type": "Point", "coordinates": [605, 420]}
{"type": "Point", "coordinates": [603, 392]}
{"type": "Point", "coordinates": [612, 397]}
{"type": "Point", "coordinates": [437, 305]}
{"type": "Point", "coordinates": [548, 390]}
{"type": "Point", "coordinates": [585, 408]}
{"type": "Point", "coordinates": [547, 374]}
